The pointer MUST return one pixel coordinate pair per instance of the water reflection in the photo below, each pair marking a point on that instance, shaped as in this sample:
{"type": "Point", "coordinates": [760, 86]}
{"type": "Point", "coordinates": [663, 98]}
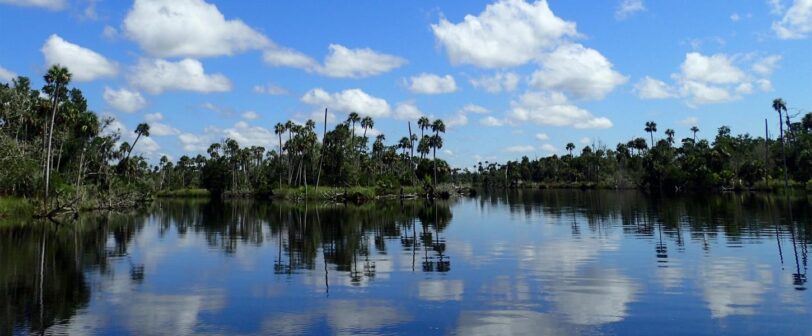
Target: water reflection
{"type": "Point", "coordinates": [523, 262]}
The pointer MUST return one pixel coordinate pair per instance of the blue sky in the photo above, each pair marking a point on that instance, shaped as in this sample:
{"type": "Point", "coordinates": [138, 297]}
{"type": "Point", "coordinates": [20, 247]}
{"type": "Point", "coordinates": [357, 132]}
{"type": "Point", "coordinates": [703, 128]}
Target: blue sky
{"type": "Point", "coordinates": [510, 78]}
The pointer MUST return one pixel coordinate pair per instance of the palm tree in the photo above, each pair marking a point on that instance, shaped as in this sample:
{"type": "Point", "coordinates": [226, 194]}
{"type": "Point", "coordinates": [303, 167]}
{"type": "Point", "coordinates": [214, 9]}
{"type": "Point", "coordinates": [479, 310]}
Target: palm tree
{"type": "Point", "coordinates": [423, 146]}
{"type": "Point", "coordinates": [651, 128]}
{"type": "Point", "coordinates": [56, 80]}
{"type": "Point", "coordinates": [367, 123]}
{"type": "Point", "coordinates": [141, 130]}
{"type": "Point", "coordinates": [780, 106]}
{"type": "Point", "coordinates": [352, 119]}
{"type": "Point", "coordinates": [214, 150]}
{"type": "Point", "coordinates": [670, 133]}
{"type": "Point", "coordinates": [694, 129]}
{"type": "Point", "coordinates": [438, 126]}
{"type": "Point", "coordinates": [279, 128]}
{"type": "Point", "coordinates": [423, 123]}
{"type": "Point", "coordinates": [570, 147]}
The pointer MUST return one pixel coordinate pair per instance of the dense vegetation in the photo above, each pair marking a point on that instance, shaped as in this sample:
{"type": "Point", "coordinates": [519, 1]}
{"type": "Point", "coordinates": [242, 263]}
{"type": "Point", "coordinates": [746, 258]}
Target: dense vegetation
{"type": "Point", "coordinates": [734, 162]}
{"type": "Point", "coordinates": [54, 149]}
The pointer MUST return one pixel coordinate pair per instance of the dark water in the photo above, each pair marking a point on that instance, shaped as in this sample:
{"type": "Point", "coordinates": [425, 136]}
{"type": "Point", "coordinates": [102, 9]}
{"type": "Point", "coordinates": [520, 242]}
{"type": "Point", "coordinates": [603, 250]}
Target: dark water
{"type": "Point", "coordinates": [549, 262]}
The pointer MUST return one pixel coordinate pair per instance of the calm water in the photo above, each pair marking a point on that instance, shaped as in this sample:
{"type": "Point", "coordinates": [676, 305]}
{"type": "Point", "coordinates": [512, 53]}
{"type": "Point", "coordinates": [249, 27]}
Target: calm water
{"type": "Point", "coordinates": [546, 262]}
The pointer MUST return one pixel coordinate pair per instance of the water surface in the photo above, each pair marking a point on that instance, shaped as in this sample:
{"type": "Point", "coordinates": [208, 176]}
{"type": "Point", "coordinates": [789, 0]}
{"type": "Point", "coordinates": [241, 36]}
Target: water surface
{"type": "Point", "coordinates": [531, 262]}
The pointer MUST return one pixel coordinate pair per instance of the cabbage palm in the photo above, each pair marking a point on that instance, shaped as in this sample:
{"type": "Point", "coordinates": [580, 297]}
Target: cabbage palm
{"type": "Point", "coordinates": [651, 128]}
{"type": "Point", "coordinates": [56, 80]}
{"type": "Point", "coordinates": [694, 130]}
{"type": "Point", "coordinates": [780, 106]}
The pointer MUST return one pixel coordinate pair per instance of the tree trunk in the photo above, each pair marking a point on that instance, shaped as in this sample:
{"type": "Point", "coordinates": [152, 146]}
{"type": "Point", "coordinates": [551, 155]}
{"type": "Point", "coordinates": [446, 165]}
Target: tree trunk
{"type": "Point", "coordinates": [783, 153]}
{"type": "Point", "coordinates": [50, 139]}
{"type": "Point", "coordinates": [321, 152]}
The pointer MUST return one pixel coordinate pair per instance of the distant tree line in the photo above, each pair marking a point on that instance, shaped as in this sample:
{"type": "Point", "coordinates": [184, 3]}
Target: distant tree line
{"type": "Point", "coordinates": [725, 161]}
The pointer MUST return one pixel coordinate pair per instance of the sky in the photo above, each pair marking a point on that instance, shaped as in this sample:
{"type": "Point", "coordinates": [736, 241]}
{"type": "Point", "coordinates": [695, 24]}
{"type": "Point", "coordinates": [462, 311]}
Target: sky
{"type": "Point", "coordinates": [510, 78]}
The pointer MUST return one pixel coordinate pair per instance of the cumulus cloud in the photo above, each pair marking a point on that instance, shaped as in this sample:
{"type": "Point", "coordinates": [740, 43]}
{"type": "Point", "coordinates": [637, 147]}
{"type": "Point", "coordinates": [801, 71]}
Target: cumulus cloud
{"type": "Point", "coordinates": [507, 33]}
{"type": "Point", "coordinates": [352, 100]}
{"type": "Point", "coordinates": [650, 88]}
{"type": "Point", "coordinates": [83, 63]}
{"type": "Point", "coordinates": [628, 8]}
{"type": "Point", "coordinates": [248, 135]}
{"type": "Point", "coordinates": [47, 4]}
{"type": "Point", "coordinates": [579, 71]}
{"type": "Point", "coordinates": [797, 21]}
{"type": "Point", "coordinates": [340, 62]}
{"type": "Point", "coordinates": [711, 79]}
{"type": "Point", "coordinates": [519, 149]}
{"type": "Point", "coordinates": [6, 75]}
{"type": "Point", "coordinates": [491, 121]}
{"type": "Point", "coordinates": [156, 76]}
{"type": "Point", "coordinates": [473, 108]}
{"type": "Point", "coordinates": [456, 120]}
{"type": "Point", "coordinates": [250, 115]}
{"type": "Point", "coordinates": [188, 28]}
{"type": "Point", "coordinates": [766, 65]}
{"type": "Point", "coordinates": [549, 148]}
{"type": "Point", "coordinates": [124, 100]}
{"type": "Point", "coordinates": [499, 82]}
{"type": "Point", "coordinates": [426, 83]}
{"type": "Point", "coordinates": [407, 111]}
{"type": "Point", "coordinates": [152, 117]}
{"type": "Point", "coordinates": [554, 109]}
{"type": "Point", "coordinates": [161, 129]}
{"type": "Point", "coordinates": [542, 136]}
{"type": "Point", "coordinates": [270, 89]}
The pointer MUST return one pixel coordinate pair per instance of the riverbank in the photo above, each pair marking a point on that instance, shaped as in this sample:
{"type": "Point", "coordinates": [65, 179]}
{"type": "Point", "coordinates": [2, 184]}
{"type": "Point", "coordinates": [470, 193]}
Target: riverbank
{"type": "Point", "coordinates": [761, 186]}
{"type": "Point", "coordinates": [15, 207]}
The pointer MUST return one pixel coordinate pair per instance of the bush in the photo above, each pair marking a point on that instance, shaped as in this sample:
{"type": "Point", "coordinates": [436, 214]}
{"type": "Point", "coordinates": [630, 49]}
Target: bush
{"type": "Point", "coordinates": [809, 185]}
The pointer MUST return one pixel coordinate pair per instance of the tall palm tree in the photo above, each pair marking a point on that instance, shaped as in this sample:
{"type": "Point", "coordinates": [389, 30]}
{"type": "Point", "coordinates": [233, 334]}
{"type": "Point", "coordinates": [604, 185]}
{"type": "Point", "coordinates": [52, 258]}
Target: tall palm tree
{"type": "Point", "coordinates": [56, 80]}
{"type": "Point", "coordinates": [670, 133]}
{"type": "Point", "coordinates": [424, 124]}
{"type": "Point", "coordinates": [423, 146]}
{"type": "Point", "coordinates": [694, 129]}
{"type": "Point", "coordinates": [438, 126]}
{"type": "Point", "coordinates": [570, 147]}
{"type": "Point", "coordinates": [278, 129]}
{"type": "Point", "coordinates": [367, 123]}
{"type": "Point", "coordinates": [780, 106]}
{"type": "Point", "coordinates": [651, 128]}
{"type": "Point", "coordinates": [141, 130]}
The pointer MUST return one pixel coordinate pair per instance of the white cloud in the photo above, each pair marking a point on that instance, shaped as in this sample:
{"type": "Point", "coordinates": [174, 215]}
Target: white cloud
{"type": "Point", "coordinates": [744, 88]}
{"type": "Point", "coordinates": [6, 75]}
{"type": "Point", "coordinates": [491, 121]}
{"type": "Point", "coordinates": [456, 120]}
{"type": "Point", "coordinates": [701, 93]}
{"type": "Point", "coordinates": [797, 21]}
{"type": "Point", "coordinates": [407, 111]}
{"type": "Point", "coordinates": [110, 33]}
{"type": "Point", "coordinates": [83, 63]}
{"type": "Point", "coordinates": [650, 88]}
{"type": "Point", "coordinates": [341, 62]}
{"type": "Point", "coordinates": [47, 4]}
{"type": "Point", "coordinates": [151, 117]}
{"type": "Point", "coordinates": [250, 115]}
{"type": "Point", "coordinates": [549, 148]}
{"type": "Point", "coordinates": [157, 75]}
{"type": "Point", "coordinates": [473, 108]}
{"type": "Point", "coordinates": [124, 100]}
{"type": "Point", "coordinates": [579, 71]}
{"type": "Point", "coordinates": [689, 121]}
{"type": "Point", "coordinates": [766, 65]}
{"type": "Point", "coordinates": [628, 8]}
{"type": "Point", "coordinates": [160, 129]}
{"type": "Point", "coordinates": [735, 17]}
{"type": "Point", "coordinates": [553, 109]}
{"type": "Point", "coordinates": [765, 85]}
{"type": "Point", "coordinates": [499, 82]}
{"type": "Point", "coordinates": [352, 100]}
{"type": "Point", "coordinates": [776, 6]}
{"type": "Point", "coordinates": [542, 136]}
{"type": "Point", "coordinates": [358, 63]}
{"type": "Point", "coordinates": [507, 33]}
{"type": "Point", "coordinates": [192, 28]}
{"type": "Point", "coordinates": [426, 83]}
{"type": "Point", "coordinates": [519, 149]}
{"type": "Point", "coordinates": [289, 58]}
{"type": "Point", "coordinates": [270, 89]}
{"type": "Point", "coordinates": [248, 135]}
{"type": "Point", "coordinates": [585, 141]}
{"type": "Point", "coordinates": [224, 110]}
{"type": "Point", "coordinates": [193, 143]}
{"type": "Point", "coordinates": [716, 69]}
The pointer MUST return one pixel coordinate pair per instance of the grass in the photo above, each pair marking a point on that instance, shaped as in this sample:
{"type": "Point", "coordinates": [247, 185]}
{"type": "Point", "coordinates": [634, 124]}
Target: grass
{"type": "Point", "coordinates": [194, 192]}
{"type": "Point", "coordinates": [15, 207]}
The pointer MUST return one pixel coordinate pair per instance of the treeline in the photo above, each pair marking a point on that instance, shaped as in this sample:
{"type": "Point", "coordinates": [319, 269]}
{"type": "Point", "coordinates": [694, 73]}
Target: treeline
{"type": "Point", "coordinates": [725, 162]}
{"type": "Point", "coordinates": [53, 148]}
